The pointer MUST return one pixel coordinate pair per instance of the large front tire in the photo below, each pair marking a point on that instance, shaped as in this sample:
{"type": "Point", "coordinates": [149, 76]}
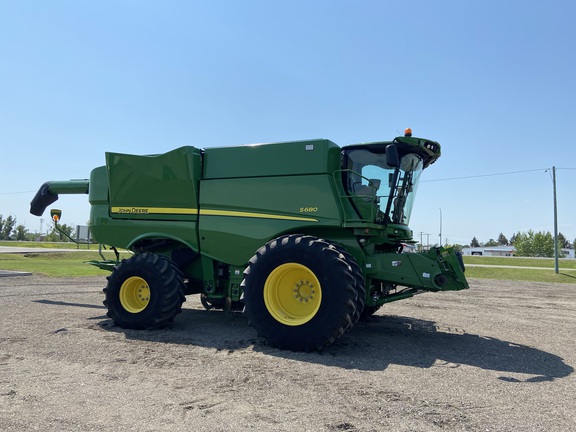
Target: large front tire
{"type": "Point", "coordinates": [299, 293]}
{"type": "Point", "coordinates": [359, 283]}
{"type": "Point", "coordinates": [145, 291]}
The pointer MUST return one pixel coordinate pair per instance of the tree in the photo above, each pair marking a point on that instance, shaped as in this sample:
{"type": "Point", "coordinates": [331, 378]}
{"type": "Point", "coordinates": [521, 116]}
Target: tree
{"type": "Point", "coordinates": [21, 233]}
{"type": "Point", "coordinates": [502, 240]}
{"type": "Point", "coordinates": [457, 247]}
{"type": "Point", "coordinates": [523, 244]}
{"type": "Point", "coordinates": [531, 244]}
{"type": "Point", "coordinates": [474, 242]}
{"type": "Point", "coordinates": [562, 241]}
{"type": "Point", "coordinates": [6, 227]}
{"type": "Point", "coordinates": [491, 242]}
{"type": "Point", "coordinates": [57, 235]}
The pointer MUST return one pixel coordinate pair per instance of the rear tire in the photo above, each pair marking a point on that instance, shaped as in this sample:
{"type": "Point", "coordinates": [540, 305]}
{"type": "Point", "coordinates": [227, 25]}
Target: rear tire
{"type": "Point", "coordinates": [299, 293]}
{"type": "Point", "coordinates": [359, 283]}
{"type": "Point", "coordinates": [145, 291]}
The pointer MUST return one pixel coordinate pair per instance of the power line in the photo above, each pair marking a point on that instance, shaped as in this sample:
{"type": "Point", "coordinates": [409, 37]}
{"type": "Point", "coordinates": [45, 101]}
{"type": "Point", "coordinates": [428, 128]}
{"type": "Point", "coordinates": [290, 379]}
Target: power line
{"type": "Point", "coordinates": [16, 193]}
{"type": "Point", "coordinates": [497, 174]}
{"type": "Point", "coordinates": [488, 175]}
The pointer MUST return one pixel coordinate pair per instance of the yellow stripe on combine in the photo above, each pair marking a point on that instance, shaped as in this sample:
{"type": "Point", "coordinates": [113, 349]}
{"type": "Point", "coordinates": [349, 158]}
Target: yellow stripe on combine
{"type": "Point", "coordinates": [191, 211]}
{"type": "Point", "coordinates": [254, 215]}
{"type": "Point", "coordinates": [153, 210]}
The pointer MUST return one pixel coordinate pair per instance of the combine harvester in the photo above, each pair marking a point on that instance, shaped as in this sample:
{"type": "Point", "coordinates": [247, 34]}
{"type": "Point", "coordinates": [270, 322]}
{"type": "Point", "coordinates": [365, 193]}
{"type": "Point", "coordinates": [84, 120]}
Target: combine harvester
{"type": "Point", "coordinates": [306, 236]}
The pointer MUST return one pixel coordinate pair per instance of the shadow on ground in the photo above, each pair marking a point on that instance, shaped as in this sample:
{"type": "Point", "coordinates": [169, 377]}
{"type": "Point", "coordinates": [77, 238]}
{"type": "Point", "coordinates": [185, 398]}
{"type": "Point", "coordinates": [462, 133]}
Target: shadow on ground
{"type": "Point", "coordinates": [371, 345]}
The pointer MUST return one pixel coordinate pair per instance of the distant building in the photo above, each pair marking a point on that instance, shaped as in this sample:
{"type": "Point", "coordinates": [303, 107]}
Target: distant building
{"type": "Point", "coordinates": [504, 251]}
{"type": "Point", "coordinates": [499, 251]}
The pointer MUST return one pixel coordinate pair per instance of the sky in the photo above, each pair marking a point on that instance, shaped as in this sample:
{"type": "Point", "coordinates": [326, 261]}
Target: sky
{"type": "Point", "coordinates": [491, 81]}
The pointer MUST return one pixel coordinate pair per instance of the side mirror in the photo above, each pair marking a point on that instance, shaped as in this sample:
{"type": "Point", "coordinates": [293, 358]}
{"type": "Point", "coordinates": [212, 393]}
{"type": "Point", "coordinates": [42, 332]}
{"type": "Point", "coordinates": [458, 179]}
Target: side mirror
{"type": "Point", "coordinates": [392, 158]}
{"type": "Point", "coordinates": [55, 215]}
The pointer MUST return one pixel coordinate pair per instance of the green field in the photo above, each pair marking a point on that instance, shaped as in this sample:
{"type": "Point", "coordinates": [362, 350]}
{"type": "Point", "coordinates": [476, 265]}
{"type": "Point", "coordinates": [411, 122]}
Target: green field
{"type": "Point", "coordinates": [520, 269]}
{"type": "Point", "coordinates": [73, 263]}
{"type": "Point", "coordinates": [47, 245]}
{"type": "Point", "coordinates": [520, 262]}
{"type": "Point", "coordinates": [53, 263]}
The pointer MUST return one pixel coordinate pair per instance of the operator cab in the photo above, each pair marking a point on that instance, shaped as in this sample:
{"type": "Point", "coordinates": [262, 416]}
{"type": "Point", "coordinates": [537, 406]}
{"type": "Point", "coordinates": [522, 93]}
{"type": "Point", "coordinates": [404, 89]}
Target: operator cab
{"type": "Point", "coordinates": [381, 178]}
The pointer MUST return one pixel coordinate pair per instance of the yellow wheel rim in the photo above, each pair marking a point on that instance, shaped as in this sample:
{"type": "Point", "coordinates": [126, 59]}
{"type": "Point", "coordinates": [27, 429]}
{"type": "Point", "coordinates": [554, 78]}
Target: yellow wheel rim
{"type": "Point", "coordinates": [134, 294]}
{"type": "Point", "coordinates": [292, 294]}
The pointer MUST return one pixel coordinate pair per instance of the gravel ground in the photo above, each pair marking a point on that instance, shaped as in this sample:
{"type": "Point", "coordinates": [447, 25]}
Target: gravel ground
{"type": "Point", "coordinates": [498, 357]}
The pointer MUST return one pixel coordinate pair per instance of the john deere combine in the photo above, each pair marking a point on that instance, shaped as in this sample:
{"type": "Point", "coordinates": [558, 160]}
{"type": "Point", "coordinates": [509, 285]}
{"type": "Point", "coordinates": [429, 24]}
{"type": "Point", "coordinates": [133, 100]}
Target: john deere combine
{"type": "Point", "coordinates": [306, 236]}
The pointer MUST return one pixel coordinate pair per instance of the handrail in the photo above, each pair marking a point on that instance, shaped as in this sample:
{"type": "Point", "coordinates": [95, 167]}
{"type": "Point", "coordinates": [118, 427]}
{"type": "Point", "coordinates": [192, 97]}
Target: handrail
{"type": "Point", "coordinates": [353, 198]}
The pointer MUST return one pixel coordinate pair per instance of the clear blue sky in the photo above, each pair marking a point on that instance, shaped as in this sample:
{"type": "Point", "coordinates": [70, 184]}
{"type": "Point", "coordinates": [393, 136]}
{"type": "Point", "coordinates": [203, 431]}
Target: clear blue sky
{"type": "Point", "coordinates": [492, 81]}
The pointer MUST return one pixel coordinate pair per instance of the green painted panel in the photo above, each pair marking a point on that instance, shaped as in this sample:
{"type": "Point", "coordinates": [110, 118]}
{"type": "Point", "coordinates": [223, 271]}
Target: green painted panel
{"type": "Point", "coordinates": [154, 187]}
{"type": "Point", "coordinates": [237, 217]}
{"type": "Point", "coordinates": [123, 233]}
{"type": "Point", "coordinates": [258, 160]}
{"type": "Point", "coordinates": [98, 191]}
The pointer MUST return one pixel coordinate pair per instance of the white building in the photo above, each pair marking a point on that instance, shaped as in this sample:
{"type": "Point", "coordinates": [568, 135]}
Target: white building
{"type": "Point", "coordinates": [489, 251]}
{"type": "Point", "coordinates": [504, 251]}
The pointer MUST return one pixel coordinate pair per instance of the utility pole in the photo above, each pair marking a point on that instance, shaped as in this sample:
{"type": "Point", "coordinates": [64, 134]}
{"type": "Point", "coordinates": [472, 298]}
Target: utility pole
{"type": "Point", "coordinates": [440, 227]}
{"type": "Point", "coordinates": [555, 222]}
{"type": "Point", "coordinates": [422, 233]}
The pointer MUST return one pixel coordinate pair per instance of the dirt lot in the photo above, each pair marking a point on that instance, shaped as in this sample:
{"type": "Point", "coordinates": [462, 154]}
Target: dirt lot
{"type": "Point", "coordinates": [498, 357]}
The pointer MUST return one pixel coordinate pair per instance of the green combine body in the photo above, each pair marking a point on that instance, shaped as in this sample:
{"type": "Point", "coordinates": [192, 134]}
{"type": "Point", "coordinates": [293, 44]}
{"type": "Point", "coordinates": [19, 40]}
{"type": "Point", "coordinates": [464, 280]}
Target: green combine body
{"type": "Point", "coordinates": [305, 236]}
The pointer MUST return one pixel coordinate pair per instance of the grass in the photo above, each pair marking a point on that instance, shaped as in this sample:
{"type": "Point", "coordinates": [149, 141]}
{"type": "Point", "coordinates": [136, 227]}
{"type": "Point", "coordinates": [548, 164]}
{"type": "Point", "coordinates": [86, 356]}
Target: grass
{"type": "Point", "coordinates": [55, 264]}
{"type": "Point", "coordinates": [49, 245]}
{"type": "Point", "coordinates": [73, 264]}
{"type": "Point", "coordinates": [520, 272]}
{"type": "Point", "coordinates": [521, 261]}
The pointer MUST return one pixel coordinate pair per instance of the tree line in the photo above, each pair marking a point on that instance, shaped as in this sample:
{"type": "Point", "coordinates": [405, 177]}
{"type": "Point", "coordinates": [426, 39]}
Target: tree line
{"type": "Point", "coordinates": [528, 244]}
{"type": "Point", "coordinates": [9, 230]}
